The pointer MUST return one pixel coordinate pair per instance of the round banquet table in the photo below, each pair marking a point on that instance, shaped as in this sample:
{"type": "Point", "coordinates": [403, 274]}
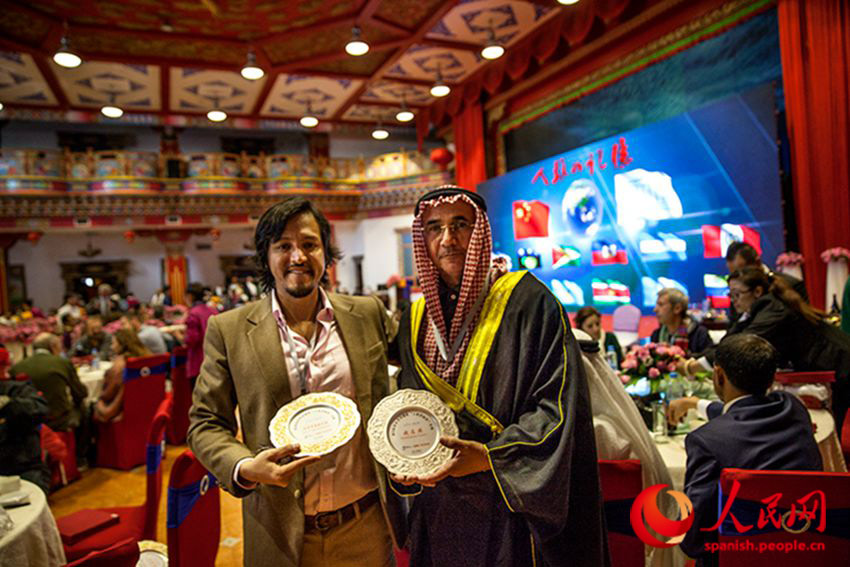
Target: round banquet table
{"type": "Point", "coordinates": [92, 378]}
{"type": "Point", "coordinates": [34, 541]}
{"type": "Point", "coordinates": [676, 458]}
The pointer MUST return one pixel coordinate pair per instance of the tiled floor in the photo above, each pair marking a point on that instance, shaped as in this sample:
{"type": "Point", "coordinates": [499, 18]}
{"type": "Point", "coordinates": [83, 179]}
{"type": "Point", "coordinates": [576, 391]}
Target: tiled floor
{"type": "Point", "coordinates": [102, 488]}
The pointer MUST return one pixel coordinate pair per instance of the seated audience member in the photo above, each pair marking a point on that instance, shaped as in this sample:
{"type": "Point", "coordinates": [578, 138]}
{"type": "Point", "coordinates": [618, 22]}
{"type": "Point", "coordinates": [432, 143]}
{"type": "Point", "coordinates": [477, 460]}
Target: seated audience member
{"type": "Point", "coordinates": [589, 320]}
{"type": "Point", "coordinates": [749, 429]}
{"type": "Point", "coordinates": [772, 310]}
{"type": "Point", "coordinates": [22, 410]}
{"type": "Point", "coordinates": [675, 326]}
{"type": "Point", "coordinates": [158, 298]}
{"type": "Point", "coordinates": [150, 336]}
{"type": "Point", "coordinates": [619, 430]}
{"type": "Point", "coordinates": [72, 306]}
{"type": "Point", "coordinates": [196, 328]}
{"type": "Point", "coordinates": [740, 255]}
{"type": "Point", "coordinates": [56, 378]}
{"type": "Point", "coordinates": [103, 303]}
{"type": "Point", "coordinates": [94, 339]}
{"type": "Point", "coordinates": [125, 344]}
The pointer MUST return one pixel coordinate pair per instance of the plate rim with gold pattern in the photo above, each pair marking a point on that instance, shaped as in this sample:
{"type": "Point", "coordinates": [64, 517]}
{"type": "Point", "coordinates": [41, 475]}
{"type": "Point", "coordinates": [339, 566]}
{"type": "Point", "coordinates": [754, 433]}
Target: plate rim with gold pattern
{"type": "Point", "coordinates": [280, 433]}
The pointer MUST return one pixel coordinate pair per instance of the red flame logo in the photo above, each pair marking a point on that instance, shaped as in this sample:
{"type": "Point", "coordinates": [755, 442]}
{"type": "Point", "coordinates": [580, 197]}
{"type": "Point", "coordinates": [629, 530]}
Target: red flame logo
{"type": "Point", "coordinates": [645, 513]}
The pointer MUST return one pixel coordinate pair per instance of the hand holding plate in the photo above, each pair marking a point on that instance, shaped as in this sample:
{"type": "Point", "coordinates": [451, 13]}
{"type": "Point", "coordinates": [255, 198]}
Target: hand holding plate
{"type": "Point", "coordinates": [469, 457]}
{"type": "Point", "coordinates": [266, 467]}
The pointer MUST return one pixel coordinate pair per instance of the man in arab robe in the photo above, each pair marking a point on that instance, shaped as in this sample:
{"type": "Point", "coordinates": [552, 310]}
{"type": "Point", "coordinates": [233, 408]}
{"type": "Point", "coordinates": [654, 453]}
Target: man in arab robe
{"type": "Point", "coordinates": [522, 487]}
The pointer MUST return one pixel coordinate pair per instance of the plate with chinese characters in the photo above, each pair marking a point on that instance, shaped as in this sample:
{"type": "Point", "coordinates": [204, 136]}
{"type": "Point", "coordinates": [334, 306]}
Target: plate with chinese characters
{"type": "Point", "coordinates": [405, 429]}
{"type": "Point", "coordinates": [320, 422]}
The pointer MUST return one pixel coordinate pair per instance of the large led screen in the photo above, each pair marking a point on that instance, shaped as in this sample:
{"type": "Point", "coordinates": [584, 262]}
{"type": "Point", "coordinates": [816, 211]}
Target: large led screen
{"type": "Point", "coordinates": [613, 222]}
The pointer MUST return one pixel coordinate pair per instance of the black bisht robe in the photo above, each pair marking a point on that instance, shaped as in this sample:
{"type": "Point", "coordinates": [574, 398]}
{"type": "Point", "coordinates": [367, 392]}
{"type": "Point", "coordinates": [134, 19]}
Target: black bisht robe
{"type": "Point", "coordinates": [545, 459]}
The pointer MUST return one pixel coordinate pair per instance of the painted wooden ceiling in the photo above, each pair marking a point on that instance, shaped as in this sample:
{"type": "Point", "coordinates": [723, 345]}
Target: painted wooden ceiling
{"type": "Point", "coordinates": [183, 57]}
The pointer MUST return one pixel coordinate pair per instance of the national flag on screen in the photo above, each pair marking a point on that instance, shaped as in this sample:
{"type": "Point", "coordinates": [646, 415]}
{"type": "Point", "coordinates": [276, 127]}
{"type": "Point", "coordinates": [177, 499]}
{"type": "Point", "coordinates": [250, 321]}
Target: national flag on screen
{"type": "Point", "coordinates": [565, 256]}
{"type": "Point", "coordinates": [567, 292]}
{"type": "Point", "coordinates": [716, 239]}
{"type": "Point", "coordinates": [605, 252]}
{"type": "Point", "coordinates": [716, 290]}
{"type": "Point", "coordinates": [531, 219]}
{"type": "Point", "coordinates": [610, 292]}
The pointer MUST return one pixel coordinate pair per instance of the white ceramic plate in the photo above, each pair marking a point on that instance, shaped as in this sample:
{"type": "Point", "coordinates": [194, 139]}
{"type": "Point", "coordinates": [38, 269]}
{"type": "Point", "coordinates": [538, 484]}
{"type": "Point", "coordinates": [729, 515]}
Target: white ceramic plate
{"type": "Point", "coordinates": [405, 429]}
{"type": "Point", "coordinates": [320, 422]}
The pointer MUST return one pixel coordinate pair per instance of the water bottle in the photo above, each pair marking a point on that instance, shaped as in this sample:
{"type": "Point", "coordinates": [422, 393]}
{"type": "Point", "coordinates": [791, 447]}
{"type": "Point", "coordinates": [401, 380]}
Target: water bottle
{"type": "Point", "coordinates": [611, 356]}
{"type": "Point", "coordinates": [95, 359]}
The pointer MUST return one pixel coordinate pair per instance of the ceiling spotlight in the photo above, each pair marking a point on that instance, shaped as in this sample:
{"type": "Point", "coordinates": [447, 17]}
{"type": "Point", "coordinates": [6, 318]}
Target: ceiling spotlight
{"type": "Point", "coordinates": [568, 2]}
{"type": "Point", "coordinates": [492, 49]}
{"type": "Point", "coordinates": [64, 56]}
{"type": "Point", "coordinates": [111, 111]}
{"type": "Point", "coordinates": [1, 106]}
{"type": "Point", "coordinates": [440, 89]}
{"type": "Point", "coordinates": [251, 70]}
{"type": "Point", "coordinates": [404, 115]}
{"type": "Point", "coordinates": [356, 46]}
{"type": "Point", "coordinates": [309, 120]}
{"type": "Point", "coordinates": [216, 115]}
{"type": "Point", "coordinates": [380, 133]}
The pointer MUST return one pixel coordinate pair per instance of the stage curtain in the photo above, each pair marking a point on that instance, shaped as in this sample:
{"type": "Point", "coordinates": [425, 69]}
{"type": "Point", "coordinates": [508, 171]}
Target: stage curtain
{"type": "Point", "coordinates": [469, 146]}
{"type": "Point", "coordinates": [814, 41]}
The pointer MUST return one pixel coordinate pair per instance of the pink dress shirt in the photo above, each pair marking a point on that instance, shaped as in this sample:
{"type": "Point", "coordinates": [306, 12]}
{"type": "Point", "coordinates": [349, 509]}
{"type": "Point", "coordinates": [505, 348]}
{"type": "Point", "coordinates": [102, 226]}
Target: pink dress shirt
{"type": "Point", "coordinates": [347, 474]}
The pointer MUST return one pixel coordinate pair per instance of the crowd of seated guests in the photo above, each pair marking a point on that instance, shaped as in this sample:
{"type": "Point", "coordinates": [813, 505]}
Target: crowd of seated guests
{"type": "Point", "coordinates": [675, 327]}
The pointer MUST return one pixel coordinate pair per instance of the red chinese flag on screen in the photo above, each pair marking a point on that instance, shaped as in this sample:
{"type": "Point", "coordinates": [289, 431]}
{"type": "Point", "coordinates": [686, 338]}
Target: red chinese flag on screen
{"type": "Point", "coordinates": [716, 239]}
{"type": "Point", "coordinates": [531, 219]}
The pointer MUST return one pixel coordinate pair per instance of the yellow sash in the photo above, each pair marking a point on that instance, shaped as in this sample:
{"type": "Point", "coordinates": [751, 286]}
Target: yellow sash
{"type": "Point", "coordinates": [463, 397]}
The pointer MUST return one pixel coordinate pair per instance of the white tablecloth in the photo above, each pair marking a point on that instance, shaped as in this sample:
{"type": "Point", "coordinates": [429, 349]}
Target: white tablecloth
{"type": "Point", "coordinates": [92, 378]}
{"type": "Point", "coordinates": [676, 458]}
{"type": "Point", "coordinates": [34, 541]}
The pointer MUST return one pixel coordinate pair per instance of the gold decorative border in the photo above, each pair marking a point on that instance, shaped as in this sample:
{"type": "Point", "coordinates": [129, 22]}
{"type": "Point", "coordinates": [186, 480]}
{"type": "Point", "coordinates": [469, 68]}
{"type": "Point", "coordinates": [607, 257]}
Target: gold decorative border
{"type": "Point", "coordinates": [279, 425]}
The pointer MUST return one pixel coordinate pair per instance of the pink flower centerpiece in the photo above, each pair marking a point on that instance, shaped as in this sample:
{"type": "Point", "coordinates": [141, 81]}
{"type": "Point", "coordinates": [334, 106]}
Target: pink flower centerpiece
{"type": "Point", "coordinates": [652, 361]}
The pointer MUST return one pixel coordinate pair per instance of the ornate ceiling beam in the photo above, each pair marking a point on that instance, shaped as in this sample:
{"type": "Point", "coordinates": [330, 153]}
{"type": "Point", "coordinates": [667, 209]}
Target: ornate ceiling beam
{"type": "Point", "coordinates": [452, 44]}
{"type": "Point", "coordinates": [416, 37]}
{"type": "Point", "coordinates": [165, 88]}
{"type": "Point", "coordinates": [334, 56]}
{"type": "Point", "coordinates": [349, 19]}
{"type": "Point", "coordinates": [155, 35]}
{"type": "Point", "coordinates": [50, 77]}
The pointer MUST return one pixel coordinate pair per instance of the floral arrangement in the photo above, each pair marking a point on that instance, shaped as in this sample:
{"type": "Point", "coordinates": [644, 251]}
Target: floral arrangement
{"type": "Point", "coordinates": [789, 259]}
{"type": "Point", "coordinates": [651, 361]}
{"type": "Point", "coordinates": [835, 253]}
{"type": "Point", "coordinates": [25, 330]}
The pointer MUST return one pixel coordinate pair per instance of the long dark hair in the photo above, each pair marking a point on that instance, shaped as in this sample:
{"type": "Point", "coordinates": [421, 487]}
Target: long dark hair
{"type": "Point", "coordinates": [773, 284]}
{"type": "Point", "coordinates": [272, 224]}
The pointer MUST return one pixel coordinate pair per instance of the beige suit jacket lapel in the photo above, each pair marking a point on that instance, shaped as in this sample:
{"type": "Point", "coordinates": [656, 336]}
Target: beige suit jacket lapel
{"type": "Point", "coordinates": [350, 326]}
{"type": "Point", "coordinates": [264, 338]}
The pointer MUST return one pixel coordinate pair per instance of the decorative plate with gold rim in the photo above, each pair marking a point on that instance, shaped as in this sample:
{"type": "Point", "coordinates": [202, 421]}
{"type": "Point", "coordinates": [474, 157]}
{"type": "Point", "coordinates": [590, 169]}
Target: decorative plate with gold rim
{"type": "Point", "coordinates": [405, 429]}
{"type": "Point", "coordinates": [320, 422]}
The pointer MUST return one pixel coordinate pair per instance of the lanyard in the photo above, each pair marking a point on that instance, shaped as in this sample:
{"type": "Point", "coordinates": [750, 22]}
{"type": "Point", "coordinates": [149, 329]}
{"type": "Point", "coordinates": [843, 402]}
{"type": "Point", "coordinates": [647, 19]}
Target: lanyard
{"type": "Point", "coordinates": [449, 356]}
{"type": "Point", "coordinates": [299, 367]}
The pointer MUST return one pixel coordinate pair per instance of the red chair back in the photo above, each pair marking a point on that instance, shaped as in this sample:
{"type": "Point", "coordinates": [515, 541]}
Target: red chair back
{"type": "Point", "coordinates": [153, 463]}
{"type": "Point", "coordinates": [124, 553]}
{"type": "Point", "coordinates": [845, 436]}
{"type": "Point", "coordinates": [193, 508]}
{"type": "Point", "coordinates": [182, 392]}
{"type": "Point", "coordinates": [121, 444]}
{"type": "Point", "coordinates": [759, 515]}
{"type": "Point", "coordinates": [621, 482]}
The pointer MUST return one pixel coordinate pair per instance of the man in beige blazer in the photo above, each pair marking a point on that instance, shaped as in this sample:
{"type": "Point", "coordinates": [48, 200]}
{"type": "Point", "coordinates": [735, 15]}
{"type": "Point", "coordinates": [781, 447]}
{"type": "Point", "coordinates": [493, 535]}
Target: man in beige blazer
{"type": "Point", "coordinates": [330, 510]}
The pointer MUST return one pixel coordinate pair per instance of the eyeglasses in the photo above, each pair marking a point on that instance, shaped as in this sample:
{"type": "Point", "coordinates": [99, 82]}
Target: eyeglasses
{"type": "Point", "coordinates": [459, 226]}
{"type": "Point", "coordinates": [735, 294]}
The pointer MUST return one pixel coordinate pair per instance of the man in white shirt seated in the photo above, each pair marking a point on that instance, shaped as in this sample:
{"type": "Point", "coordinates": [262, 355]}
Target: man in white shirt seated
{"type": "Point", "coordinates": [150, 336]}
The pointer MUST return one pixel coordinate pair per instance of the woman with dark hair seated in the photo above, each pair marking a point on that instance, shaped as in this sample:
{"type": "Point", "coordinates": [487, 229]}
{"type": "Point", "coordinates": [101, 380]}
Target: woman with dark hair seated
{"type": "Point", "coordinates": [771, 309]}
{"type": "Point", "coordinates": [589, 320]}
{"type": "Point", "coordinates": [125, 344]}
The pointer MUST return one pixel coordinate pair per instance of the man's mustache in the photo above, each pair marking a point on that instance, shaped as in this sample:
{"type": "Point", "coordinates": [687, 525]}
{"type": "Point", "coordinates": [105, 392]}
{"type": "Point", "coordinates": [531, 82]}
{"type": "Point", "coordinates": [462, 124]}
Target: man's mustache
{"type": "Point", "coordinates": [451, 252]}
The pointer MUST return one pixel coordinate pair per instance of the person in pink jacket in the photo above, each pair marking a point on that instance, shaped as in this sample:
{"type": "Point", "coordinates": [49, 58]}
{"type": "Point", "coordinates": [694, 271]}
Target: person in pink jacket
{"type": "Point", "coordinates": [196, 328]}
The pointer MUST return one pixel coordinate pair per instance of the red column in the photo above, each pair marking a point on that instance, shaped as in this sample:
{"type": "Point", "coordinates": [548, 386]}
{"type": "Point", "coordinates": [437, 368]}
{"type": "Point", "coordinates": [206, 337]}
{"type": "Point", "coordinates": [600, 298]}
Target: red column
{"type": "Point", "coordinates": [6, 242]}
{"type": "Point", "coordinates": [176, 267]}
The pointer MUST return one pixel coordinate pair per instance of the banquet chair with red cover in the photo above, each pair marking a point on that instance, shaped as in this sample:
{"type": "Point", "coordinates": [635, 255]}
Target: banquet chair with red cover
{"type": "Point", "coordinates": [137, 522]}
{"type": "Point", "coordinates": [59, 448]}
{"type": "Point", "coordinates": [845, 437]}
{"type": "Point", "coordinates": [193, 508]}
{"type": "Point", "coordinates": [182, 394]}
{"type": "Point", "coordinates": [124, 553]}
{"type": "Point", "coordinates": [121, 443]}
{"type": "Point", "coordinates": [797, 509]}
{"type": "Point", "coordinates": [621, 482]}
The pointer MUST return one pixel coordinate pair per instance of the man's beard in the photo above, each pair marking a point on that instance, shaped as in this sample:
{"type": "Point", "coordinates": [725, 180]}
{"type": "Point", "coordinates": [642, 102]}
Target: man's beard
{"type": "Point", "coordinates": [300, 291]}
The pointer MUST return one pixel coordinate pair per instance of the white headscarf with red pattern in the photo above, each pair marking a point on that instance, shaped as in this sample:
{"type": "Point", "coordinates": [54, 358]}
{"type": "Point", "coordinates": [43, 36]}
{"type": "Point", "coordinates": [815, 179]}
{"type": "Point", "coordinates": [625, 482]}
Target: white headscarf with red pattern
{"type": "Point", "coordinates": [474, 283]}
